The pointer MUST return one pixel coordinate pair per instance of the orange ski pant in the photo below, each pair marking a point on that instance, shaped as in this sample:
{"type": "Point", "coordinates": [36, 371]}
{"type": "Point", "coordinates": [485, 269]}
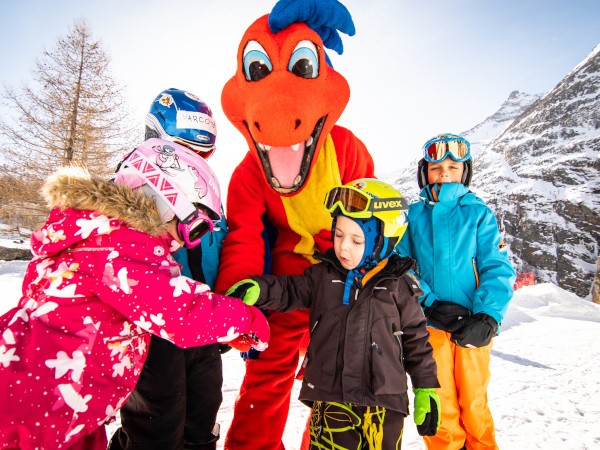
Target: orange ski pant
{"type": "Point", "coordinates": [261, 409]}
{"type": "Point", "coordinates": [464, 375]}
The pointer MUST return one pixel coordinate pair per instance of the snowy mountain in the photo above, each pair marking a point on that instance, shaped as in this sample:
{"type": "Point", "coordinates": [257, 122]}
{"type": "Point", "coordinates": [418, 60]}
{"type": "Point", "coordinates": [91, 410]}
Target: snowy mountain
{"type": "Point", "coordinates": [541, 176]}
{"type": "Point", "coordinates": [479, 136]}
{"type": "Point", "coordinates": [536, 163]}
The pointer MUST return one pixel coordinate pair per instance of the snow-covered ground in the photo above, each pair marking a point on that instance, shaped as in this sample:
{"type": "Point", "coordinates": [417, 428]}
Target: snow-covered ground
{"type": "Point", "coordinates": [545, 388]}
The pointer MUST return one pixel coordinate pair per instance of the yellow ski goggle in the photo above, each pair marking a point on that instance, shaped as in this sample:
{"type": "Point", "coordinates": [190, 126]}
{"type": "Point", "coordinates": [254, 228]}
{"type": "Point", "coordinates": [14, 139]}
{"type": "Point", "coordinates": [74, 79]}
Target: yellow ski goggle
{"type": "Point", "coordinates": [354, 203]}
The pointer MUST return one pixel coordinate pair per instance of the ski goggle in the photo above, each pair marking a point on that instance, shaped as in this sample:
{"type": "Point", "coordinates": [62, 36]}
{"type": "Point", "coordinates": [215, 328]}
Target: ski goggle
{"type": "Point", "coordinates": [444, 145]}
{"type": "Point", "coordinates": [204, 152]}
{"type": "Point", "coordinates": [194, 227]}
{"type": "Point", "coordinates": [354, 203]}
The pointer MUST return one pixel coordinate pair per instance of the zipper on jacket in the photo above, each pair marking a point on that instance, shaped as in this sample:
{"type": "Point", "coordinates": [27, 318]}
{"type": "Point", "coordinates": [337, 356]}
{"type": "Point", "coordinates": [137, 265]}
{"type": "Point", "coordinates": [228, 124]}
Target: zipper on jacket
{"type": "Point", "coordinates": [476, 273]}
{"type": "Point", "coordinates": [315, 325]}
{"type": "Point", "coordinates": [89, 249]}
{"type": "Point", "coordinates": [375, 347]}
{"type": "Point", "coordinates": [398, 334]}
{"type": "Point", "coordinates": [305, 360]}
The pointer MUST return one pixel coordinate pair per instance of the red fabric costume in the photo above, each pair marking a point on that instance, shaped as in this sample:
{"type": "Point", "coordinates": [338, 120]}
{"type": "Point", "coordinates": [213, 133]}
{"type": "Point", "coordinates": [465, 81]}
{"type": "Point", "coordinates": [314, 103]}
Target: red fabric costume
{"type": "Point", "coordinates": [275, 108]}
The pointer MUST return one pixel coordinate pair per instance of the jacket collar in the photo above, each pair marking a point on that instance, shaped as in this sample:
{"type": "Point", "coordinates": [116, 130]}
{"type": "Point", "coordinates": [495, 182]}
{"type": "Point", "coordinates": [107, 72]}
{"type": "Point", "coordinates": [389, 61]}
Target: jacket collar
{"type": "Point", "coordinates": [75, 187]}
{"type": "Point", "coordinates": [395, 267]}
{"type": "Point", "coordinates": [446, 193]}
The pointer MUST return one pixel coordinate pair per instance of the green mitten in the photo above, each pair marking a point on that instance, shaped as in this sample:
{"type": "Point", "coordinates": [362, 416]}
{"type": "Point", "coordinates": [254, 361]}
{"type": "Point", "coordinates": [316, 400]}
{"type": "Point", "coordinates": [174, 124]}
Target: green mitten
{"type": "Point", "coordinates": [427, 411]}
{"type": "Point", "coordinates": [246, 290]}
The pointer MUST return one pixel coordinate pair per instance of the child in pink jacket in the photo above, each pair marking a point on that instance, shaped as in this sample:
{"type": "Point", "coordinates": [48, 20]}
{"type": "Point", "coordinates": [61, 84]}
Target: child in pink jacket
{"type": "Point", "coordinates": [102, 280]}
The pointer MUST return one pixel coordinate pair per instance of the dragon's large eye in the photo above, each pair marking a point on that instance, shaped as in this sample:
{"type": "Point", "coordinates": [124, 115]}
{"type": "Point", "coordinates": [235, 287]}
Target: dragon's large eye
{"type": "Point", "coordinates": [257, 64]}
{"type": "Point", "coordinates": [304, 61]}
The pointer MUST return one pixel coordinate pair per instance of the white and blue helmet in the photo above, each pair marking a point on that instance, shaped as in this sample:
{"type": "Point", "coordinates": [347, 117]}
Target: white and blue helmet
{"type": "Point", "coordinates": [182, 117]}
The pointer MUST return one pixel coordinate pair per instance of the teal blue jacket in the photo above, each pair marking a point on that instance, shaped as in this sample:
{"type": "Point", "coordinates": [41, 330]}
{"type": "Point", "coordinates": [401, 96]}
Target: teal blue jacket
{"type": "Point", "coordinates": [211, 249]}
{"type": "Point", "coordinates": [459, 251]}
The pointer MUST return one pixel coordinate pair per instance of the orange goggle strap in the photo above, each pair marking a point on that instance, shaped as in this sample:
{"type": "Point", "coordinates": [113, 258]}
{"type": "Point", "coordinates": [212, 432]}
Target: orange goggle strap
{"type": "Point", "coordinates": [204, 152]}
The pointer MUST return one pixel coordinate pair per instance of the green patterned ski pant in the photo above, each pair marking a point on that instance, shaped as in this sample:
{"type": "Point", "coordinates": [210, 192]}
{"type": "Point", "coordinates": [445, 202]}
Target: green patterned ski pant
{"type": "Point", "coordinates": [345, 426]}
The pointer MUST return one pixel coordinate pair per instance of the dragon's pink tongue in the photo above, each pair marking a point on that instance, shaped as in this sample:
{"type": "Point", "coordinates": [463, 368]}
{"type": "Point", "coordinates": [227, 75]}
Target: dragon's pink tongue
{"type": "Point", "coordinates": [285, 164]}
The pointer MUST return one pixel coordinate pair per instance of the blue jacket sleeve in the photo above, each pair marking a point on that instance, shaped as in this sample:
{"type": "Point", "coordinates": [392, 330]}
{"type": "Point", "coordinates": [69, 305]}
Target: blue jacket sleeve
{"type": "Point", "coordinates": [494, 269]}
{"type": "Point", "coordinates": [211, 251]}
{"type": "Point", "coordinates": [404, 248]}
{"type": "Point", "coordinates": [211, 244]}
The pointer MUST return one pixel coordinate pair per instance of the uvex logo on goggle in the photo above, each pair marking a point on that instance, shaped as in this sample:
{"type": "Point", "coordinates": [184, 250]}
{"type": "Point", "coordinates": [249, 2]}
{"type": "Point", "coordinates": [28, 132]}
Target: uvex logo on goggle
{"type": "Point", "coordinates": [388, 204]}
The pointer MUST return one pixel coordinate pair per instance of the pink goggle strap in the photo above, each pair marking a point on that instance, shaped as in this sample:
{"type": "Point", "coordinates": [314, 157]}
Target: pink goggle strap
{"type": "Point", "coordinates": [194, 227]}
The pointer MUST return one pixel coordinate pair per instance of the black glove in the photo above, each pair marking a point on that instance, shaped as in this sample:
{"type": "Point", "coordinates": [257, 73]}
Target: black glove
{"type": "Point", "coordinates": [477, 332]}
{"type": "Point", "coordinates": [447, 316]}
{"type": "Point", "coordinates": [224, 348]}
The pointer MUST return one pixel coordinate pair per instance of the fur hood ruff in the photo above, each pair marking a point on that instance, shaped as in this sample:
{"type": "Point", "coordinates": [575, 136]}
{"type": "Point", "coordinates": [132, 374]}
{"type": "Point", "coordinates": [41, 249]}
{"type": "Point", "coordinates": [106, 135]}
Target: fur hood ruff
{"type": "Point", "coordinates": [74, 187]}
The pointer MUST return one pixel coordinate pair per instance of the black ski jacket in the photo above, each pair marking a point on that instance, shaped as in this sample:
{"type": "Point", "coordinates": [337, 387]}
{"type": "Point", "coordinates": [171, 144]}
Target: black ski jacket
{"type": "Point", "coordinates": [358, 353]}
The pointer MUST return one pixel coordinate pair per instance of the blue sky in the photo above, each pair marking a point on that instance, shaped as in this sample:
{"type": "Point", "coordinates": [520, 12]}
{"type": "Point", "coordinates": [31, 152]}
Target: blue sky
{"type": "Point", "coordinates": [415, 68]}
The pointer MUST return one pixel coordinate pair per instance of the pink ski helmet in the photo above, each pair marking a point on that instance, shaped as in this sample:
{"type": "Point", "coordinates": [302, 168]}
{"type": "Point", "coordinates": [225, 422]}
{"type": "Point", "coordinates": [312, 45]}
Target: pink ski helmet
{"type": "Point", "coordinates": [180, 180]}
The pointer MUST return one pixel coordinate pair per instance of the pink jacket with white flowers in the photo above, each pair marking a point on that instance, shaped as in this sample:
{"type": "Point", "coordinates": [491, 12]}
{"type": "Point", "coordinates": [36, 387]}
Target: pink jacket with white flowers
{"type": "Point", "coordinates": [101, 281]}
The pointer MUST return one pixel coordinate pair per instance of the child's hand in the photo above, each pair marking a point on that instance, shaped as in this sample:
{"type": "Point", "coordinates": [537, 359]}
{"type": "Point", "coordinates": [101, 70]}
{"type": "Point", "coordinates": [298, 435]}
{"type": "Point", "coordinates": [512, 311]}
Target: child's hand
{"type": "Point", "coordinates": [244, 343]}
{"type": "Point", "coordinates": [427, 413]}
{"type": "Point", "coordinates": [246, 290]}
{"type": "Point", "coordinates": [259, 332]}
{"type": "Point", "coordinates": [447, 316]}
{"type": "Point", "coordinates": [256, 335]}
{"type": "Point", "coordinates": [477, 332]}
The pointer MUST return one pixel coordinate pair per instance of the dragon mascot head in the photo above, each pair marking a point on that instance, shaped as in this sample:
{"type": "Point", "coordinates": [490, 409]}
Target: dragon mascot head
{"type": "Point", "coordinates": [285, 97]}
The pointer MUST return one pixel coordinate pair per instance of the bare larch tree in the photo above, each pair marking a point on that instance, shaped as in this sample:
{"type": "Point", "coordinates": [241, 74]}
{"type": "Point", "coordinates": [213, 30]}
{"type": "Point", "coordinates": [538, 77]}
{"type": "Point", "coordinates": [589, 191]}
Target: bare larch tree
{"type": "Point", "coordinates": [73, 112]}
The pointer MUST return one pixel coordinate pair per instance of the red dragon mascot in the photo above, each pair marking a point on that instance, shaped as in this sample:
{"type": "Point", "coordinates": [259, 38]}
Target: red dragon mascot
{"type": "Point", "coordinates": [285, 98]}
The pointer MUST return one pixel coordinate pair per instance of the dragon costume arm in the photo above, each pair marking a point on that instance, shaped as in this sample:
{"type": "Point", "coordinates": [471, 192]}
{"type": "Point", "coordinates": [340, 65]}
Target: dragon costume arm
{"type": "Point", "coordinates": [243, 250]}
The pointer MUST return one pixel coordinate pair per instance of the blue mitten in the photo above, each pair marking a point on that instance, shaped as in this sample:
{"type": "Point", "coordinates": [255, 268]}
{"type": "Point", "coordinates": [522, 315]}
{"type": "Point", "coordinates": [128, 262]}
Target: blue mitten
{"type": "Point", "coordinates": [325, 17]}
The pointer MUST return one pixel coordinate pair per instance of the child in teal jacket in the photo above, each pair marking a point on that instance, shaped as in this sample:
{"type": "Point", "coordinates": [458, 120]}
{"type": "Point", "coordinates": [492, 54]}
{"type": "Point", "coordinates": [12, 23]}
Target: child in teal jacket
{"type": "Point", "coordinates": [467, 278]}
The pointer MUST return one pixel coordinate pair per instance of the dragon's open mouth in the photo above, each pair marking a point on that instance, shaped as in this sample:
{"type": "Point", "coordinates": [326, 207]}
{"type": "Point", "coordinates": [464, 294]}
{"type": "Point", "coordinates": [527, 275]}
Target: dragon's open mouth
{"type": "Point", "coordinates": [286, 167]}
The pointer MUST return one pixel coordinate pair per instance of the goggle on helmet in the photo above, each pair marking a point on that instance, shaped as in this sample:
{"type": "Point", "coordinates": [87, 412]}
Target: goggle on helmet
{"type": "Point", "coordinates": [440, 147]}
{"type": "Point", "coordinates": [182, 117]}
{"type": "Point", "coordinates": [368, 197]}
{"type": "Point", "coordinates": [181, 183]}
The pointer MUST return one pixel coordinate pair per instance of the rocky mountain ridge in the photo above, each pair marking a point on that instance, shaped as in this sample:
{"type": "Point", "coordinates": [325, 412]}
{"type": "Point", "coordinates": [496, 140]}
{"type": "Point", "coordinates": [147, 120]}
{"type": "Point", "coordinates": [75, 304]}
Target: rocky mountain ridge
{"type": "Point", "coordinates": [537, 164]}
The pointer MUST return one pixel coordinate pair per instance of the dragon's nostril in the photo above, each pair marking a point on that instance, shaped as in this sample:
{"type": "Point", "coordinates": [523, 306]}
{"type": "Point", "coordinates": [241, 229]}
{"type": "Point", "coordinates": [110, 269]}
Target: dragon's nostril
{"type": "Point", "coordinates": [257, 125]}
{"type": "Point", "coordinates": [298, 122]}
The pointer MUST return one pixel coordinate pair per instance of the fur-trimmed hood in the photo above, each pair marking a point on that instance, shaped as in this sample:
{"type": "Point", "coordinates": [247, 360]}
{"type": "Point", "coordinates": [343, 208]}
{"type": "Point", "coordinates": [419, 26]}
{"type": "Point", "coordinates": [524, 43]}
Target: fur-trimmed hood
{"type": "Point", "coordinates": [74, 187]}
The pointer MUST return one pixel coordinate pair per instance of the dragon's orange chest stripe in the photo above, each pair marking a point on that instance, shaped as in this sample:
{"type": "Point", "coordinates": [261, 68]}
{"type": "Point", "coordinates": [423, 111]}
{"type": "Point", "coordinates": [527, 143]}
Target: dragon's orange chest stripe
{"type": "Point", "coordinates": [305, 211]}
